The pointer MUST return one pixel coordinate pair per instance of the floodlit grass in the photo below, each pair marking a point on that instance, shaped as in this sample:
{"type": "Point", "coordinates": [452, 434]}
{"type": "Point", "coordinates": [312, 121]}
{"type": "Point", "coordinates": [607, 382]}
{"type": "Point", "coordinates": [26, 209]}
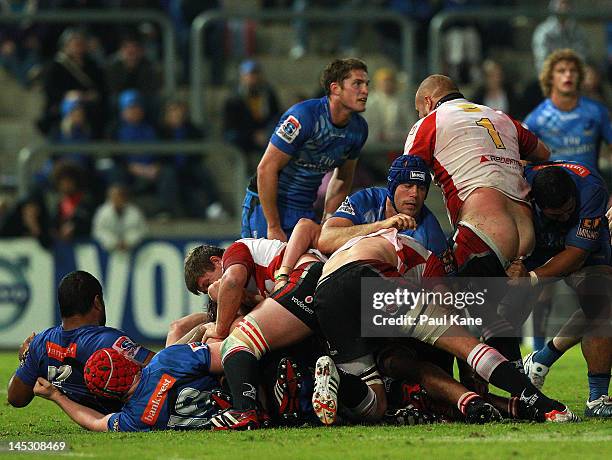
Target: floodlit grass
{"type": "Point", "coordinates": [43, 421]}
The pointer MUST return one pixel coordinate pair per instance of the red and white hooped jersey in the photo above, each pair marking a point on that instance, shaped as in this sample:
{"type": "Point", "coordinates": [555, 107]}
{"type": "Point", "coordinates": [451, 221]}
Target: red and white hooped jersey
{"type": "Point", "coordinates": [470, 146]}
{"type": "Point", "coordinates": [413, 260]}
{"type": "Point", "coordinates": [261, 257]}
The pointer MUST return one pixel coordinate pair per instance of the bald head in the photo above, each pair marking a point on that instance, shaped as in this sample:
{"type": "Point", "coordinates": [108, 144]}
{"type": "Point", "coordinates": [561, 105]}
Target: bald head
{"type": "Point", "coordinates": [431, 90]}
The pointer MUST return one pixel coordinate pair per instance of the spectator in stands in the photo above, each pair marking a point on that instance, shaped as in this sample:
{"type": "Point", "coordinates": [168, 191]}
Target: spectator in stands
{"type": "Point", "coordinates": [74, 128]}
{"type": "Point", "coordinates": [143, 172]}
{"type": "Point", "coordinates": [118, 224]}
{"type": "Point", "coordinates": [73, 69]}
{"type": "Point", "coordinates": [559, 30]}
{"type": "Point", "coordinates": [197, 188]}
{"type": "Point", "coordinates": [348, 36]}
{"type": "Point", "coordinates": [72, 212]}
{"type": "Point", "coordinates": [250, 115]}
{"type": "Point", "coordinates": [128, 68]}
{"type": "Point", "coordinates": [463, 45]}
{"type": "Point", "coordinates": [495, 92]}
{"type": "Point", "coordinates": [19, 43]}
{"type": "Point", "coordinates": [386, 114]}
{"type": "Point", "coordinates": [27, 217]}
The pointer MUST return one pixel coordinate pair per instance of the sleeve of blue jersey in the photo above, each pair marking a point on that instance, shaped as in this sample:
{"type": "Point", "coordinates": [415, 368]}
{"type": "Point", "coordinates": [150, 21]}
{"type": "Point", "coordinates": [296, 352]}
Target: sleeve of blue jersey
{"type": "Point", "coordinates": [594, 207]}
{"type": "Point", "coordinates": [301, 126]}
{"type": "Point", "coordinates": [28, 373]}
{"type": "Point", "coordinates": [350, 209]}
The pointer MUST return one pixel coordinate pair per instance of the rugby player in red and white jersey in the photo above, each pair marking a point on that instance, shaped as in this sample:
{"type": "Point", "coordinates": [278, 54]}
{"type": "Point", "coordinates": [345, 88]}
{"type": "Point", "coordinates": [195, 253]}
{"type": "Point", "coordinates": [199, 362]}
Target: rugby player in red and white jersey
{"type": "Point", "coordinates": [388, 256]}
{"type": "Point", "coordinates": [475, 153]}
{"type": "Point", "coordinates": [251, 266]}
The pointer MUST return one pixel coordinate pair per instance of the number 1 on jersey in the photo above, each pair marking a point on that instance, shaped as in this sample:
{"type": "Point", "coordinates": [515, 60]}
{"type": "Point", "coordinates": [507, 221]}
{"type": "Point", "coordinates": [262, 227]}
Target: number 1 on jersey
{"type": "Point", "coordinates": [497, 140]}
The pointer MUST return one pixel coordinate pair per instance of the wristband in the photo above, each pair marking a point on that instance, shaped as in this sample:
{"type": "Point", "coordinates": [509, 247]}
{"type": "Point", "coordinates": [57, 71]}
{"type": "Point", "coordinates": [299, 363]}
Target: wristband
{"type": "Point", "coordinates": [533, 278]}
{"type": "Point", "coordinates": [281, 275]}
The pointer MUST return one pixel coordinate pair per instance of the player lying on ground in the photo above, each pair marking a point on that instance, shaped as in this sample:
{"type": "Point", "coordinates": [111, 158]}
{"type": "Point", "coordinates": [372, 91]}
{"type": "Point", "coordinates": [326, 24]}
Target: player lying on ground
{"type": "Point", "coordinates": [176, 390]}
{"type": "Point", "coordinates": [58, 353]}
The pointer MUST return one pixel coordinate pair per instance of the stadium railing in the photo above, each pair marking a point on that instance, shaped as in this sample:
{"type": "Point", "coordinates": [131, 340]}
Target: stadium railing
{"type": "Point", "coordinates": [238, 175]}
{"type": "Point", "coordinates": [112, 16]}
{"type": "Point", "coordinates": [198, 44]}
{"type": "Point", "coordinates": [482, 14]}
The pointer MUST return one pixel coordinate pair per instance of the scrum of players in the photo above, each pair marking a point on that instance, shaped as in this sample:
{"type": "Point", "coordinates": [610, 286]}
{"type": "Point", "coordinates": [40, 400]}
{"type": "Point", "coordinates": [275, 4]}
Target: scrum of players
{"type": "Point", "coordinates": [281, 343]}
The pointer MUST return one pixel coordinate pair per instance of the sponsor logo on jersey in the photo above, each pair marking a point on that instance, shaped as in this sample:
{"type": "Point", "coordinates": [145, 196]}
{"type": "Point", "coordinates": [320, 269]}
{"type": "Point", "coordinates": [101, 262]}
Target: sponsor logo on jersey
{"type": "Point", "coordinates": [589, 228]}
{"type": "Point", "coordinates": [289, 129]}
{"type": "Point", "coordinates": [126, 347]}
{"type": "Point", "coordinates": [60, 353]}
{"type": "Point", "coordinates": [417, 175]}
{"type": "Point", "coordinates": [195, 346]}
{"type": "Point", "coordinates": [501, 160]}
{"type": "Point", "coordinates": [346, 207]}
{"type": "Point", "coordinates": [151, 412]}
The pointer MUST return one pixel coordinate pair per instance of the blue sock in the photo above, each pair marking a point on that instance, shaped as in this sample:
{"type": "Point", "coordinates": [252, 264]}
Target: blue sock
{"type": "Point", "coordinates": [539, 343]}
{"type": "Point", "coordinates": [547, 355]}
{"type": "Point", "coordinates": [598, 385]}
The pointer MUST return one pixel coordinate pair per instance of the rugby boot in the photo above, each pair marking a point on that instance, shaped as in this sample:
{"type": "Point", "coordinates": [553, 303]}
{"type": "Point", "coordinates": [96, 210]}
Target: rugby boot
{"type": "Point", "coordinates": [325, 394]}
{"type": "Point", "coordinates": [287, 391]}
{"type": "Point", "coordinates": [601, 407]}
{"type": "Point", "coordinates": [233, 419]}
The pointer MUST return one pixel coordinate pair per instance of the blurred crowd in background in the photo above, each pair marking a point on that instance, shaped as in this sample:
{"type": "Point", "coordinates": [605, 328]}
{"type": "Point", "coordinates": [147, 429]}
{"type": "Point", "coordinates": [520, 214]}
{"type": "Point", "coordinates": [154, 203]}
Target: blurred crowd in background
{"type": "Point", "coordinates": [104, 82]}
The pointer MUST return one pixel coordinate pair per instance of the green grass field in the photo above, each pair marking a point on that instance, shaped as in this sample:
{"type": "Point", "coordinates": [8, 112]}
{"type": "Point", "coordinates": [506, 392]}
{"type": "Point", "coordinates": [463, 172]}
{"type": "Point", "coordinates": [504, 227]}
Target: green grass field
{"type": "Point", "coordinates": [43, 421]}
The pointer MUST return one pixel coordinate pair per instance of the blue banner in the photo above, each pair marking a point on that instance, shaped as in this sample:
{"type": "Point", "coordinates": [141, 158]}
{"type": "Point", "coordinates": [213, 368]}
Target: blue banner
{"type": "Point", "coordinates": [144, 289]}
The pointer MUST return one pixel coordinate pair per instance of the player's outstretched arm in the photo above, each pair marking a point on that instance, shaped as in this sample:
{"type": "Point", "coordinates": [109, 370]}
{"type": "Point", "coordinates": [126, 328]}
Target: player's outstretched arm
{"type": "Point", "coordinates": [305, 235]}
{"type": "Point", "coordinates": [86, 417]}
{"type": "Point", "coordinates": [338, 230]}
{"type": "Point", "coordinates": [269, 167]}
{"type": "Point", "coordinates": [339, 187]}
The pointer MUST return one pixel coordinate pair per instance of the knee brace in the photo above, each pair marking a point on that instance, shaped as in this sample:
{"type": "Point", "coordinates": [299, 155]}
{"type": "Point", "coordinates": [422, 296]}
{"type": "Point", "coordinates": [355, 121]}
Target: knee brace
{"type": "Point", "coordinates": [247, 336]}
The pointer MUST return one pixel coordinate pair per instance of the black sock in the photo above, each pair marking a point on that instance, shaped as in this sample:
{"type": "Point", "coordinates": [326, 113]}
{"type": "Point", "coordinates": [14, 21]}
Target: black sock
{"type": "Point", "coordinates": [352, 389]}
{"type": "Point", "coordinates": [242, 375]}
{"type": "Point", "coordinates": [510, 347]}
{"type": "Point", "coordinates": [506, 377]}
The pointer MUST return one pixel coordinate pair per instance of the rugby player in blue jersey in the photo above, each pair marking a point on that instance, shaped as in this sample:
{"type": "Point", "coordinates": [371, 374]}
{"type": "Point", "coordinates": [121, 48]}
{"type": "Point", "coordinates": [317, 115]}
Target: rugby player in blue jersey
{"type": "Point", "coordinates": [312, 138]}
{"type": "Point", "coordinates": [571, 125]}
{"type": "Point", "coordinates": [573, 243]}
{"type": "Point", "coordinates": [174, 391]}
{"type": "Point", "coordinates": [59, 353]}
{"type": "Point", "coordinates": [400, 205]}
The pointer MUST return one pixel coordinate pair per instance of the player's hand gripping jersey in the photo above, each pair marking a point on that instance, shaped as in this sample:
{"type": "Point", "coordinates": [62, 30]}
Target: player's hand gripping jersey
{"type": "Point", "coordinates": [469, 146]}
{"type": "Point", "coordinates": [413, 260]}
{"type": "Point", "coordinates": [368, 205]}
